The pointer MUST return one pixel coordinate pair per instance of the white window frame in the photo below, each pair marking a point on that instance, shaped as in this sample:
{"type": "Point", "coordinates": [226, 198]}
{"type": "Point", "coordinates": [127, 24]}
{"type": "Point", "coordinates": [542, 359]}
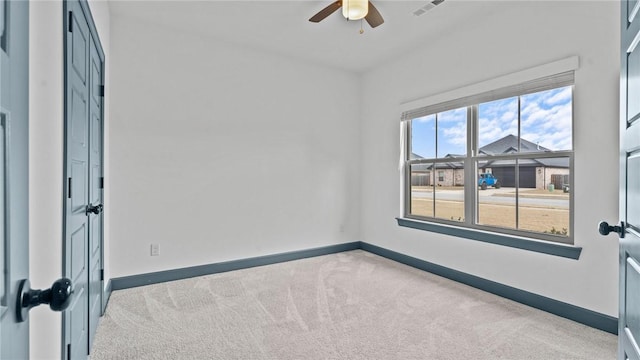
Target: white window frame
{"type": "Point", "coordinates": [562, 78]}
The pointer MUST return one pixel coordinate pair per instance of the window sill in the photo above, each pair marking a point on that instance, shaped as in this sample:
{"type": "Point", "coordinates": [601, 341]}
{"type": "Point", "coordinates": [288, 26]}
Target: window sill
{"type": "Point", "coordinates": [566, 251]}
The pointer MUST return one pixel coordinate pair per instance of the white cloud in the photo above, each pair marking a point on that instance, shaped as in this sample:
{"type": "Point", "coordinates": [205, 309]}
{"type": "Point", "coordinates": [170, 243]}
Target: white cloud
{"type": "Point", "coordinates": [455, 135]}
{"type": "Point", "coordinates": [550, 127]}
{"type": "Point", "coordinates": [559, 96]}
{"type": "Point", "coordinates": [452, 132]}
{"type": "Point", "coordinates": [497, 120]}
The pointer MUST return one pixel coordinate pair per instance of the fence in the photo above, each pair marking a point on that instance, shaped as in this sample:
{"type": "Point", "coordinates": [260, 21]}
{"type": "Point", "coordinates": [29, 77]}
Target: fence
{"type": "Point", "coordinates": [559, 181]}
{"type": "Point", "coordinates": [420, 179]}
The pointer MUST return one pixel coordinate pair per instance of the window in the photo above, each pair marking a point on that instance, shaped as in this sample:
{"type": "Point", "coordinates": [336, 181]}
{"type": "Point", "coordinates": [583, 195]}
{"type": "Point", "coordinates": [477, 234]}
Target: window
{"type": "Point", "coordinates": [500, 161]}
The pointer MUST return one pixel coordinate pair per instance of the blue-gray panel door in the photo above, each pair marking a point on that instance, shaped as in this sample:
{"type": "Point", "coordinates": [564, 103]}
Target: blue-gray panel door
{"type": "Point", "coordinates": [76, 242]}
{"type": "Point", "coordinates": [84, 67]}
{"type": "Point", "coordinates": [629, 316]}
{"type": "Point", "coordinates": [14, 198]}
{"type": "Point", "coordinates": [95, 187]}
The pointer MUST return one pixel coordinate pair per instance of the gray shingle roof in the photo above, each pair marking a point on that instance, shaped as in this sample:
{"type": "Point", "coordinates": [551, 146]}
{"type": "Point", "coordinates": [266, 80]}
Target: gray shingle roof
{"type": "Point", "coordinates": [546, 162]}
{"type": "Point", "coordinates": [509, 144]}
{"type": "Point", "coordinates": [506, 145]}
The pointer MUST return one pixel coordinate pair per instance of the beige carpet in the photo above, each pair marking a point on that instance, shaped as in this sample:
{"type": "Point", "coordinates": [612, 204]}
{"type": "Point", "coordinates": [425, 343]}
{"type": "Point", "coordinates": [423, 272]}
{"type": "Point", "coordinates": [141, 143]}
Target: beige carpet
{"type": "Point", "coordinates": [352, 305]}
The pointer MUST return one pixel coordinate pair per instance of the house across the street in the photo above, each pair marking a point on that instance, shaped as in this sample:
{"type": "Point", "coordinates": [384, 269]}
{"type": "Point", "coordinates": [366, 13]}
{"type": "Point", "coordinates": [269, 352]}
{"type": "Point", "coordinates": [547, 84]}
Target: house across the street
{"type": "Point", "coordinates": [535, 173]}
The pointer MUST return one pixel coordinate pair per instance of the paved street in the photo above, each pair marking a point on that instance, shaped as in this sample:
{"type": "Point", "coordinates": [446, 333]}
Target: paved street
{"type": "Point", "coordinates": [494, 196]}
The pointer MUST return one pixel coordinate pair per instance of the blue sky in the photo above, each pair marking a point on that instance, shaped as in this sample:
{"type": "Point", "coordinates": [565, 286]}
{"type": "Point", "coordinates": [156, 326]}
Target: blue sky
{"type": "Point", "coordinates": [545, 119]}
{"type": "Point", "coordinates": [452, 134]}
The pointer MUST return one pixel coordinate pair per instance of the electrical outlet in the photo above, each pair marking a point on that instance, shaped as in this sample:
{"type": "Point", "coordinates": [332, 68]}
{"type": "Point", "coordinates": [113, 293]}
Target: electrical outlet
{"type": "Point", "coordinates": [155, 249]}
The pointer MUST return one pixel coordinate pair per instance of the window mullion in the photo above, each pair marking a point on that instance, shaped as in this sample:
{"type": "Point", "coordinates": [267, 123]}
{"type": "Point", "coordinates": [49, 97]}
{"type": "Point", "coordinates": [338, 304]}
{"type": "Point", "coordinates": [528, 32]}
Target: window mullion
{"type": "Point", "coordinates": [470, 205]}
{"type": "Point", "coordinates": [517, 184]}
{"type": "Point", "coordinates": [407, 186]}
{"type": "Point", "coordinates": [517, 194]}
{"type": "Point", "coordinates": [434, 168]}
{"type": "Point", "coordinates": [409, 140]}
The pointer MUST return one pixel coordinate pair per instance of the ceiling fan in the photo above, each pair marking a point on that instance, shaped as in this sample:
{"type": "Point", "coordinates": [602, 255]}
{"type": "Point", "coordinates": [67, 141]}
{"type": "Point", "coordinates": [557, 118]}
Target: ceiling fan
{"type": "Point", "coordinates": [352, 10]}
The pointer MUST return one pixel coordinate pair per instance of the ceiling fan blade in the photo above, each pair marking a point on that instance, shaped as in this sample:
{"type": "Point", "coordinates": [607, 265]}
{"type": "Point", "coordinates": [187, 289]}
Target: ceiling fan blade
{"type": "Point", "coordinates": [326, 11]}
{"type": "Point", "coordinates": [373, 17]}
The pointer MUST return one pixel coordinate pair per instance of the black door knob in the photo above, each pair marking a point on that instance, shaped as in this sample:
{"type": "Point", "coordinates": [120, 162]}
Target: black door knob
{"type": "Point", "coordinates": [604, 228]}
{"type": "Point", "coordinates": [96, 209]}
{"type": "Point", "coordinates": [58, 296]}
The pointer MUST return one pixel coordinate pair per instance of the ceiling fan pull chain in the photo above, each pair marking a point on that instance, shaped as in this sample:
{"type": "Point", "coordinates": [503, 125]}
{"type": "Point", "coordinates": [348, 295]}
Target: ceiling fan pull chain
{"type": "Point", "coordinates": [361, 28]}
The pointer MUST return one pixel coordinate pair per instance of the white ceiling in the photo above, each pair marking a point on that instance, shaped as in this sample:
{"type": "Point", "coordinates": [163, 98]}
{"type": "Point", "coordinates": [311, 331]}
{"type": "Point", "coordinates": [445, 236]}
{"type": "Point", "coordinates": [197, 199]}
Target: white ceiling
{"type": "Point", "coordinates": [282, 27]}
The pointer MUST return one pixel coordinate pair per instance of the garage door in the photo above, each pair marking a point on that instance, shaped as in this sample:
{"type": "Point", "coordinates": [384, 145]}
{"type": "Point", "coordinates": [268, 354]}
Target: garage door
{"type": "Point", "coordinates": [507, 176]}
{"type": "Point", "coordinates": [528, 177]}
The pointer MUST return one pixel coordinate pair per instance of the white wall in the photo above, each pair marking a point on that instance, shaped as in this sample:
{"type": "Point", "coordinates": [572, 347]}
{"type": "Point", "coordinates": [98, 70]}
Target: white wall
{"type": "Point", "coordinates": [517, 36]}
{"type": "Point", "coordinates": [46, 160]}
{"type": "Point", "coordinates": [220, 152]}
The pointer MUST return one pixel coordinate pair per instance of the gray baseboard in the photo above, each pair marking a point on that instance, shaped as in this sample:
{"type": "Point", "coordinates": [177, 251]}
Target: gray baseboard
{"type": "Point", "coordinates": [193, 271]}
{"type": "Point", "coordinates": [584, 316]}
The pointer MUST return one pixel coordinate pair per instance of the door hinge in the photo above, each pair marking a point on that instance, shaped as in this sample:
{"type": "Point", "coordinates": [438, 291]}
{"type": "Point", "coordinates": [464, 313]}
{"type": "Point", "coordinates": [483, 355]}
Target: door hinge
{"type": "Point", "coordinates": [69, 189]}
{"type": "Point", "coordinates": [101, 90]}
{"type": "Point", "coordinates": [70, 21]}
{"type": "Point", "coordinates": [101, 274]}
{"type": "Point", "coordinates": [68, 351]}
{"type": "Point", "coordinates": [102, 182]}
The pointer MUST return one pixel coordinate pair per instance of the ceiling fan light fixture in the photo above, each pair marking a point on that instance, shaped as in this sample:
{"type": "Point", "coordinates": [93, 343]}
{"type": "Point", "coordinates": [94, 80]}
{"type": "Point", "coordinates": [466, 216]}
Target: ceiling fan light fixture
{"type": "Point", "coordinates": [355, 9]}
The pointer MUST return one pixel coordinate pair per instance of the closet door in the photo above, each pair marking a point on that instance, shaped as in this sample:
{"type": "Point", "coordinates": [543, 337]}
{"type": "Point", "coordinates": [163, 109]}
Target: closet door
{"type": "Point", "coordinates": [83, 174]}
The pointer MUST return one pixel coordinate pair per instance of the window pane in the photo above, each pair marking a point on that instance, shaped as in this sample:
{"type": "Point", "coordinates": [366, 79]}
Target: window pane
{"type": "Point", "coordinates": [449, 191]}
{"type": "Point", "coordinates": [544, 196]}
{"type": "Point", "coordinates": [423, 137]}
{"type": "Point", "coordinates": [497, 193]}
{"type": "Point", "coordinates": [498, 127]}
{"type": "Point", "coordinates": [546, 119]}
{"type": "Point", "coordinates": [452, 133]}
{"type": "Point", "coordinates": [421, 190]}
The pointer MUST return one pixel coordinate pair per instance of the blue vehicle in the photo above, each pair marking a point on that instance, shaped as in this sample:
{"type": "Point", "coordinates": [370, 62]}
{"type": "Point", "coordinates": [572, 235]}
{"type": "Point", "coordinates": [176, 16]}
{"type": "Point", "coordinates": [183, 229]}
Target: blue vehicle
{"type": "Point", "coordinates": [487, 179]}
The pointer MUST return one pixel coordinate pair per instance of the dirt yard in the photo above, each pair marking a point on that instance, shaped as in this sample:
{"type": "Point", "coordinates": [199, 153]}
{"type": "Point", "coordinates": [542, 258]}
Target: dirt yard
{"type": "Point", "coordinates": [532, 218]}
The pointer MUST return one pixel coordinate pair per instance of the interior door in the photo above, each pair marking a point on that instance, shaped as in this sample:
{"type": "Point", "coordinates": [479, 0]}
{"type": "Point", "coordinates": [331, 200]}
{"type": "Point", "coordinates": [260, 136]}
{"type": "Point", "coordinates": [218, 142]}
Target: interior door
{"type": "Point", "coordinates": [95, 190]}
{"type": "Point", "coordinates": [14, 181]}
{"type": "Point", "coordinates": [76, 240]}
{"type": "Point", "coordinates": [629, 317]}
{"type": "Point", "coordinates": [84, 61]}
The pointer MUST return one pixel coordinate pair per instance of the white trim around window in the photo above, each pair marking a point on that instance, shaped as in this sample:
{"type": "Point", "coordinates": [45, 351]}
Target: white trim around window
{"type": "Point", "coordinates": [552, 76]}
